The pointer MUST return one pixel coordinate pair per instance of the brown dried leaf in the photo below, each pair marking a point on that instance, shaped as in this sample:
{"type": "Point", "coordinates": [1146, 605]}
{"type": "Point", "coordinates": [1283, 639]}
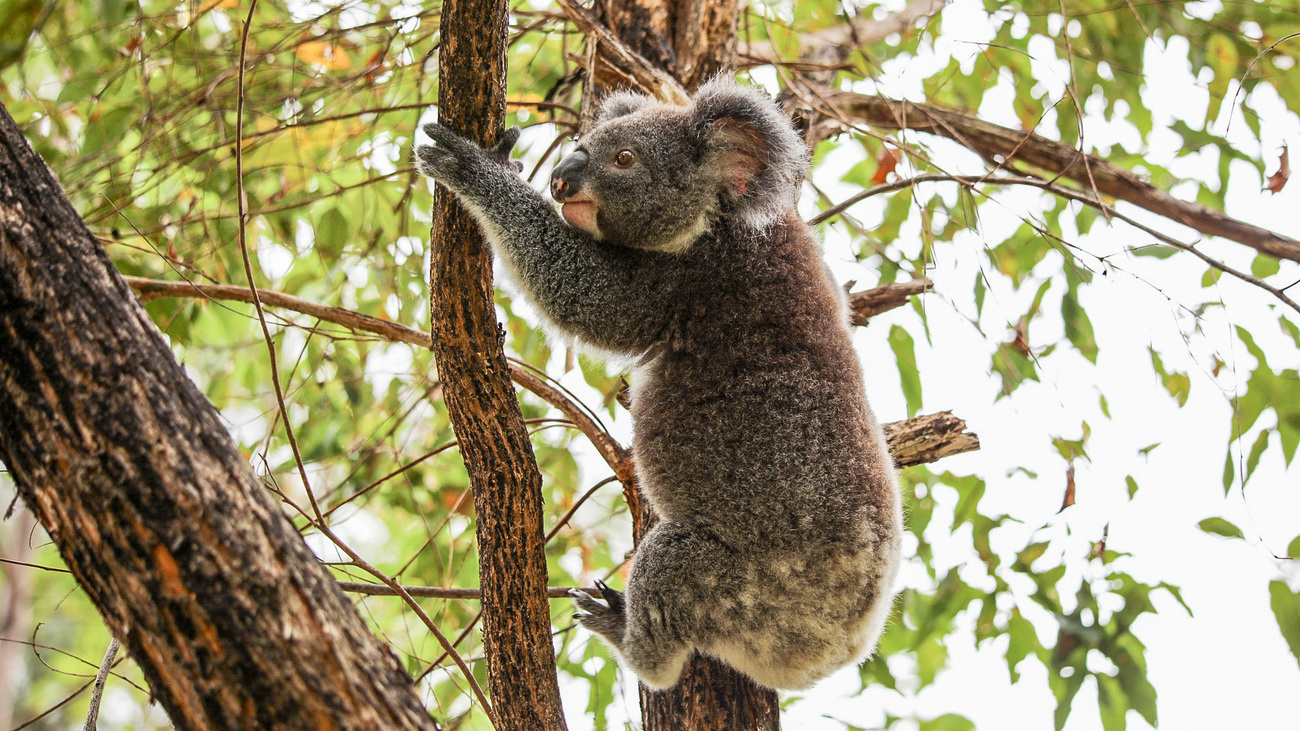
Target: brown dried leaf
{"type": "Point", "coordinates": [1069, 488]}
{"type": "Point", "coordinates": [1277, 180]}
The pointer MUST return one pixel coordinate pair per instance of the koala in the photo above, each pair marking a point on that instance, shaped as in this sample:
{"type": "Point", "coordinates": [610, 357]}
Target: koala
{"type": "Point", "coordinates": [677, 245]}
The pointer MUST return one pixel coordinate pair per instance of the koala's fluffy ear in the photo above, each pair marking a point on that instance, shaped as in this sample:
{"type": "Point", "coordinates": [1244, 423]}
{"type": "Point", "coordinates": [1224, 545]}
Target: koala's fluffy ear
{"type": "Point", "coordinates": [751, 149]}
{"type": "Point", "coordinates": [621, 103]}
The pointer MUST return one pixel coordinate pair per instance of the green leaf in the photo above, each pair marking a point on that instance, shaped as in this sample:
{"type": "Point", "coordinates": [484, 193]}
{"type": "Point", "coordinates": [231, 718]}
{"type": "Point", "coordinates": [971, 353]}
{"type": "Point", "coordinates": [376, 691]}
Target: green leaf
{"type": "Point", "coordinates": [1154, 251]}
{"type": "Point", "coordinates": [1112, 702]}
{"type": "Point", "coordinates": [1256, 450]}
{"type": "Point", "coordinates": [1022, 641]}
{"type": "Point", "coordinates": [1132, 486]}
{"type": "Point", "coordinates": [1229, 473]}
{"type": "Point", "coordinates": [1137, 688]}
{"type": "Point", "coordinates": [1220, 527]}
{"type": "Point", "coordinates": [332, 233]}
{"type": "Point", "coordinates": [1069, 687]}
{"type": "Point", "coordinates": [1290, 328]}
{"type": "Point", "coordinates": [1013, 366]}
{"type": "Point", "coordinates": [1286, 608]}
{"type": "Point", "coordinates": [1179, 385]}
{"type": "Point", "coordinates": [1078, 328]}
{"type": "Point", "coordinates": [947, 722]}
{"type": "Point", "coordinates": [905, 355]}
{"type": "Point", "coordinates": [1265, 266]}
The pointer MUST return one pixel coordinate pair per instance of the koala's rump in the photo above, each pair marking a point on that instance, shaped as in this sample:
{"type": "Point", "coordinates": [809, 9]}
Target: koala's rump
{"type": "Point", "coordinates": [788, 621]}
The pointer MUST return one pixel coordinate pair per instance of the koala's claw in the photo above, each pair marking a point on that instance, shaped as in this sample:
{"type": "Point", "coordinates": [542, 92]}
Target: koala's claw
{"type": "Point", "coordinates": [612, 597]}
{"type": "Point", "coordinates": [502, 148]}
{"type": "Point", "coordinates": [605, 619]}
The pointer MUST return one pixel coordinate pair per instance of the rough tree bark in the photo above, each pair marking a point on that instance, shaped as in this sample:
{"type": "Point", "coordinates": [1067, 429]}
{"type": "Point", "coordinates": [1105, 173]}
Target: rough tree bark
{"type": "Point", "coordinates": [468, 345]}
{"type": "Point", "coordinates": [233, 621]}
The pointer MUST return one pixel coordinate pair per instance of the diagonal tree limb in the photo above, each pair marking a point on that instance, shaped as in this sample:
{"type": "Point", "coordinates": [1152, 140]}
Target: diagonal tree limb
{"type": "Point", "coordinates": [937, 435]}
{"type": "Point", "coordinates": [232, 620]}
{"type": "Point", "coordinates": [1052, 160]}
{"type": "Point", "coordinates": [623, 61]}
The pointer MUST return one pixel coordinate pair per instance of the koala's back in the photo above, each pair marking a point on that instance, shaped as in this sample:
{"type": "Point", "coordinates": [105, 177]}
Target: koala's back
{"type": "Point", "coordinates": [751, 426]}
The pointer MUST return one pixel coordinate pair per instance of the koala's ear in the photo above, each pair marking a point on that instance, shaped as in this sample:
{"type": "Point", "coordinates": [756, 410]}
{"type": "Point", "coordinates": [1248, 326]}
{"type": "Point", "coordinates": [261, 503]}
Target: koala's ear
{"type": "Point", "coordinates": [621, 103]}
{"type": "Point", "coordinates": [751, 149]}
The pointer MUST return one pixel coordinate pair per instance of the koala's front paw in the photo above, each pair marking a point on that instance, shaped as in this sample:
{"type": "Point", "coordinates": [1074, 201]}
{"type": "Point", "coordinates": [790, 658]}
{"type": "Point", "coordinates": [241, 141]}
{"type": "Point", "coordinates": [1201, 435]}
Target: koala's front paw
{"type": "Point", "coordinates": [608, 619]}
{"type": "Point", "coordinates": [445, 159]}
{"type": "Point", "coordinates": [452, 159]}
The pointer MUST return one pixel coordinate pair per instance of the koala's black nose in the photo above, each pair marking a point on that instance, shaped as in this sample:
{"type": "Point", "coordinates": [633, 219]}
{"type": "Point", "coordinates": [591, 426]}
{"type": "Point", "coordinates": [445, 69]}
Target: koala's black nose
{"type": "Point", "coordinates": [566, 178]}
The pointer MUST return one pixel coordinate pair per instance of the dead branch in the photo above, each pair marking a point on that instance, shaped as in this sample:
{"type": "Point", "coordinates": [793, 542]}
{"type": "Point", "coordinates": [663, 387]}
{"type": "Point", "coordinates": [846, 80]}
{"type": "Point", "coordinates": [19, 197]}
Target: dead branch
{"type": "Point", "coordinates": [868, 303]}
{"type": "Point", "coordinates": [928, 438]}
{"type": "Point", "coordinates": [832, 46]}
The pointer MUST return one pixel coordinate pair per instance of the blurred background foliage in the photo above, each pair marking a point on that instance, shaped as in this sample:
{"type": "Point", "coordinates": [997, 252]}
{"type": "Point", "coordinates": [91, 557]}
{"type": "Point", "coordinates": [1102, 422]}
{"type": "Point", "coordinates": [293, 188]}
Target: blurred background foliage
{"type": "Point", "coordinates": [132, 103]}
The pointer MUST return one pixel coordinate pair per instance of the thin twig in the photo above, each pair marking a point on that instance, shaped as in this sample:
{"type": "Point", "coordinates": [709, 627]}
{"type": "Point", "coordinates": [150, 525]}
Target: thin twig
{"type": "Point", "coordinates": [97, 694]}
{"type": "Point", "coordinates": [242, 237]}
{"type": "Point", "coordinates": [401, 591]}
{"type": "Point", "coordinates": [433, 592]}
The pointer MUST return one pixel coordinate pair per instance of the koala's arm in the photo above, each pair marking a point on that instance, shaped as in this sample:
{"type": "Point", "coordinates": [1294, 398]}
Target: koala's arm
{"type": "Point", "coordinates": [608, 296]}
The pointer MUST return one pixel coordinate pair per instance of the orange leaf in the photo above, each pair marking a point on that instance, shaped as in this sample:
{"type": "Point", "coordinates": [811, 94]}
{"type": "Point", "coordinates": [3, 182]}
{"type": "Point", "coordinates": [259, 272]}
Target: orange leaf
{"type": "Point", "coordinates": [325, 54]}
{"type": "Point", "coordinates": [887, 164]}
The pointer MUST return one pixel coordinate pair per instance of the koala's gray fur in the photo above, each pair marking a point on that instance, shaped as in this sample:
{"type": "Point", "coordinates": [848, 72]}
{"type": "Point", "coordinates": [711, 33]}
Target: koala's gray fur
{"type": "Point", "coordinates": [781, 523]}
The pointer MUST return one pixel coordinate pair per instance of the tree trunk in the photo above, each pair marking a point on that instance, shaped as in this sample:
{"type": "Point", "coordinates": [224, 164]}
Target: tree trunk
{"type": "Point", "coordinates": [233, 621]}
{"type": "Point", "coordinates": [468, 345]}
{"type": "Point", "coordinates": [692, 40]}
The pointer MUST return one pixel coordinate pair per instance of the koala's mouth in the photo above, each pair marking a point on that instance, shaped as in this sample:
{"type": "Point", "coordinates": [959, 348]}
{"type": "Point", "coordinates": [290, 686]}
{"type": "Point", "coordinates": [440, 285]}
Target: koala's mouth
{"type": "Point", "coordinates": [580, 213]}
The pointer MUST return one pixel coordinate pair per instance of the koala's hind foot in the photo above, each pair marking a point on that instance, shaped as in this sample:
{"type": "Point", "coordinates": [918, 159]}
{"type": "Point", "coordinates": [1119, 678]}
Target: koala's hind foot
{"type": "Point", "coordinates": [608, 620]}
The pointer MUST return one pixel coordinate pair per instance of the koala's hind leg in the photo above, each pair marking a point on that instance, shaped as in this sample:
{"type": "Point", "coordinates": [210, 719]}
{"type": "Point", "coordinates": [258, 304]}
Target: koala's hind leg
{"type": "Point", "coordinates": [669, 603]}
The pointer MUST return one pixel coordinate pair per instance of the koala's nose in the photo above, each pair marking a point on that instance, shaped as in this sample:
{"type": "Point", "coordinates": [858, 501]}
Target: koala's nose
{"type": "Point", "coordinates": [566, 178]}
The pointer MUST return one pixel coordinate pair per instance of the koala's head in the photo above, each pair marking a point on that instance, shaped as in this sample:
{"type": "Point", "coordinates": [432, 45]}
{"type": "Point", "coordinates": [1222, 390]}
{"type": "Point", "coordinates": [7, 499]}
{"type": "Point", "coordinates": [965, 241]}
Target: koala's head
{"type": "Point", "coordinates": [656, 176]}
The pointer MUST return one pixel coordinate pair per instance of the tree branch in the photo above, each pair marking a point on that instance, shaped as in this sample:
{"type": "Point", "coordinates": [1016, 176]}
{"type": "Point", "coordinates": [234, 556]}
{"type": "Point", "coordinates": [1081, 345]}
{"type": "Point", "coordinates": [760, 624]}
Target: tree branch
{"type": "Point", "coordinates": [914, 433]}
{"type": "Point", "coordinates": [928, 438]}
{"type": "Point", "coordinates": [832, 46]}
{"type": "Point", "coordinates": [864, 305]}
{"type": "Point", "coordinates": [614, 454]}
{"type": "Point", "coordinates": [868, 303]}
{"type": "Point", "coordinates": [437, 592]}
{"type": "Point", "coordinates": [1003, 146]}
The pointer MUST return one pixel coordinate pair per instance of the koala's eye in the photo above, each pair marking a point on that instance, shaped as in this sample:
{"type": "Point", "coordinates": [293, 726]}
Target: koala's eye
{"type": "Point", "coordinates": [625, 158]}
